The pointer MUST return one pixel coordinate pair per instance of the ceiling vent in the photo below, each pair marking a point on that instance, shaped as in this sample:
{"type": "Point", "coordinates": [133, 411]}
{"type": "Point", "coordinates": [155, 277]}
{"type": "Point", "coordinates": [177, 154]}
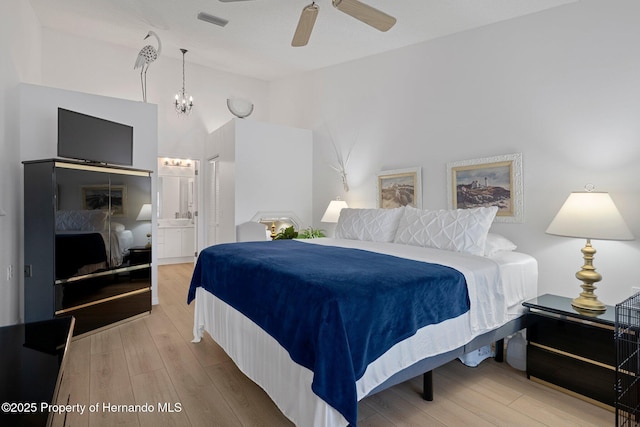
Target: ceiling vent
{"type": "Point", "coordinates": [221, 22]}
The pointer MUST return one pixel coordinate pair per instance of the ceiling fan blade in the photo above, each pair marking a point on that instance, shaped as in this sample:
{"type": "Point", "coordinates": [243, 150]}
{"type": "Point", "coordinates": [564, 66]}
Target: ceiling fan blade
{"type": "Point", "coordinates": [365, 13]}
{"type": "Point", "coordinates": [305, 25]}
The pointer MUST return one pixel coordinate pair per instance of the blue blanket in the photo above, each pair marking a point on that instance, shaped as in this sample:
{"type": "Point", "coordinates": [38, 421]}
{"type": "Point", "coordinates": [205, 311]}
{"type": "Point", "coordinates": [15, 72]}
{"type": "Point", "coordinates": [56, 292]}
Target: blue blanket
{"type": "Point", "coordinates": [335, 310]}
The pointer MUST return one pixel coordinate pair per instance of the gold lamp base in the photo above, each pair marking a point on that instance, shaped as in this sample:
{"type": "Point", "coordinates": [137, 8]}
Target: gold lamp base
{"type": "Point", "coordinates": [587, 303]}
{"type": "Point", "coordinates": [588, 306]}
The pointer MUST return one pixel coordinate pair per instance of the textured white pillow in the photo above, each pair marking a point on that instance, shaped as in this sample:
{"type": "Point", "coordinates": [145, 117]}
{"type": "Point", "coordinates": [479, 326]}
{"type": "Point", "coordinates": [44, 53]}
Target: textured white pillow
{"type": "Point", "coordinates": [117, 227]}
{"type": "Point", "coordinates": [497, 243]}
{"type": "Point", "coordinates": [459, 230]}
{"type": "Point", "coordinates": [375, 225]}
{"type": "Point", "coordinates": [83, 220]}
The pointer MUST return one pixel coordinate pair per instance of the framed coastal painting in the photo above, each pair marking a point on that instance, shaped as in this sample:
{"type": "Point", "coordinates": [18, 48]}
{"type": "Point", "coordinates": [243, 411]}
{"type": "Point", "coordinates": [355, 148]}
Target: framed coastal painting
{"type": "Point", "coordinates": [97, 197]}
{"type": "Point", "coordinates": [489, 181]}
{"type": "Point", "coordinates": [400, 187]}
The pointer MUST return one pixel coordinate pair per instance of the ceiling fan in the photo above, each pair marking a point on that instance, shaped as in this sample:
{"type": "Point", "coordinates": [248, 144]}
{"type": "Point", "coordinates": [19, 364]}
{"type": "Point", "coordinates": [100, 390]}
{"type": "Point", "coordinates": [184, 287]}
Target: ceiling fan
{"type": "Point", "coordinates": [362, 12]}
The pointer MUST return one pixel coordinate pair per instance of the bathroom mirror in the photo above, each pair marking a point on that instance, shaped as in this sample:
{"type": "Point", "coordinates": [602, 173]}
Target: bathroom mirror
{"type": "Point", "coordinates": [175, 197]}
{"type": "Point", "coordinates": [176, 189]}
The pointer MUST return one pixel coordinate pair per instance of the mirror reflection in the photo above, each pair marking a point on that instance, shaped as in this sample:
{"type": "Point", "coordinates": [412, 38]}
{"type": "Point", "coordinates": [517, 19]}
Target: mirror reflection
{"type": "Point", "coordinates": [96, 219]}
{"type": "Point", "coordinates": [176, 197]}
{"type": "Point", "coordinates": [176, 189]}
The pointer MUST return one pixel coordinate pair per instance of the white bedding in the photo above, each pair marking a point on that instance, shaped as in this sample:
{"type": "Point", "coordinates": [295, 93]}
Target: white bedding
{"type": "Point", "coordinates": [117, 246]}
{"type": "Point", "coordinates": [496, 285]}
{"type": "Point", "coordinates": [125, 241]}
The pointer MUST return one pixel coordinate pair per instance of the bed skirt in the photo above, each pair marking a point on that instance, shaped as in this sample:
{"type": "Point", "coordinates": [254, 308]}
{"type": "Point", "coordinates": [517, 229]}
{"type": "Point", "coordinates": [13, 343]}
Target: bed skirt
{"type": "Point", "coordinates": [264, 361]}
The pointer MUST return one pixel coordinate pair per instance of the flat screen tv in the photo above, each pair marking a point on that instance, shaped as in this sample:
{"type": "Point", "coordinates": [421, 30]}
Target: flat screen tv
{"type": "Point", "coordinates": [93, 139]}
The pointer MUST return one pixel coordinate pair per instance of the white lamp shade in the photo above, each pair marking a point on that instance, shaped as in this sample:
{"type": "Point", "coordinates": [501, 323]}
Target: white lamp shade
{"type": "Point", "coordinates": [333, 211]}
{"type": "Point", "coordinates": [590, 215]}
{"type": "Point", "coordinates": [145, 213]}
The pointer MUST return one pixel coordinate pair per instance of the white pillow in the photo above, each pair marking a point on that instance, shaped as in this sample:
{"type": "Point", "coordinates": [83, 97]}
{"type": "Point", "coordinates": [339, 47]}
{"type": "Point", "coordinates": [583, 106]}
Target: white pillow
{"type": "Point", "coordinates": [116, 226]}
{"type": "Point", "coordinates": [459, 230]}
{"type": "Point", "coordinates": [497, 243]}
{"type": "Point", "coordinates": [375, 225]}
{"type": "Point", "coordinates": [82, 220]}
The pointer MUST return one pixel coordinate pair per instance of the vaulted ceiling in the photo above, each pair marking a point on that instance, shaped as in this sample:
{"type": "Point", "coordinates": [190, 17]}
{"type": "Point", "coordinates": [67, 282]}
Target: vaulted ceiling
{"type": "Point", "coordinates": [256, 42]}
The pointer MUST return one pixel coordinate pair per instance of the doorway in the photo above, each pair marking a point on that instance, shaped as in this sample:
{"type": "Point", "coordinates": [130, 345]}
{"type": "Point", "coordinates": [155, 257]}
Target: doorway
{"type": "Point", "coordinates": [212, 200]}
{"type": "Point", "coordinates": [177, 239]}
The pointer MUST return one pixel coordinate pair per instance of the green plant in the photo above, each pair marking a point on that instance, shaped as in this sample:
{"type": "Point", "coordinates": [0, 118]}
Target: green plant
{"type": "Point", "coordinates": [311, 233]}
{"type": "Point", "coordinates": [286, 233]}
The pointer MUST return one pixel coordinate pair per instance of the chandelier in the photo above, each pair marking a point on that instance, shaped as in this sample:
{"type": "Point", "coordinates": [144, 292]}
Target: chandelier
{"type": "Point", "coordinates": [183, 102]}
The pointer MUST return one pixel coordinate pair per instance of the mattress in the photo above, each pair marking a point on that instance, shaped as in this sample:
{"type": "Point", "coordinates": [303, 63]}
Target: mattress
{"type": "Point", "coordinates": [116, 246]}
{"type": "Point", "coordinates": [496, 285]}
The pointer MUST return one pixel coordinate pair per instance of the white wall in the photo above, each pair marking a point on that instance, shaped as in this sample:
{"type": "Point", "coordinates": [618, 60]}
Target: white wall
{"type": "Point", "coordinates": [560, 86]}
{"type": "Point", "coordinates": [273, 170]}
{"type": "Point", "coordinates": [19, 61]}
{"type": "Point", "coordinates": [262, 168]}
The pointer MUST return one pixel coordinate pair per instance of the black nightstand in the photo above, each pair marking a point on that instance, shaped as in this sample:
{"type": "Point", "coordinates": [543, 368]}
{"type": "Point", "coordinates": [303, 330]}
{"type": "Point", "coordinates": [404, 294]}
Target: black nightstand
{"type": "Point", "coordinates": [571, 351]}
{"type": "Point", "coordinates": [140, 255]}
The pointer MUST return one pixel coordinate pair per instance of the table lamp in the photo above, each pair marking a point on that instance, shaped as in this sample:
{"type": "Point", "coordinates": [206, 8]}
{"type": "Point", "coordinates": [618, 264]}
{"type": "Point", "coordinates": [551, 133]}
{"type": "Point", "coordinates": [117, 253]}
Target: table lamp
{"type": "Point", "coordinates": [145, 215]}
{"type": "Point", "coordinates": [333, 211]}
{"type": "Point", "coordinates": [589, 215]}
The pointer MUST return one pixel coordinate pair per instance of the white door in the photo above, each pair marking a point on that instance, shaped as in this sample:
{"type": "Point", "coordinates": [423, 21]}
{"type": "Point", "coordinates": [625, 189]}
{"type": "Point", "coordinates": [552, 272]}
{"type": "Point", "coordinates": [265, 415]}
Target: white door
{"type": "Point", "coordinates": [195, 208]}
{"type": "Point", "coordinates": [212, 196]}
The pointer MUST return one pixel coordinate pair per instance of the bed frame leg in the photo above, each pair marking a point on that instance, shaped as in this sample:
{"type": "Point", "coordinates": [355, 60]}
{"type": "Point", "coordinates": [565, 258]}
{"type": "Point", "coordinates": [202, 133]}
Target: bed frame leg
{"type": "Point", "coordinates": [499, 357]}
{"type": "Point", "coordinates": [427, 377]}
{"type": "Point", "coordinates": [427, 386]}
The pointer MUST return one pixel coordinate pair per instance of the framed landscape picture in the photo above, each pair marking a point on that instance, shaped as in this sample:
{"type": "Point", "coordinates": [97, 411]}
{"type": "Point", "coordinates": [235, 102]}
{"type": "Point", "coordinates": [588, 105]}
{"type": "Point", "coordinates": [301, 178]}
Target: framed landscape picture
{"type": "Point", "coordinates": [489, 181]}
{"type": "Point", "coordinates": [97, 197]}
{"type": "Point", "coordinates": [400, 187]}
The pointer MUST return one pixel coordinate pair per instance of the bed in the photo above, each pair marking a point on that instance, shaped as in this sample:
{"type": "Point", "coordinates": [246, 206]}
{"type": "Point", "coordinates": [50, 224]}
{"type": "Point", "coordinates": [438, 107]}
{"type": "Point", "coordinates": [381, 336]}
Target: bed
{"type": "Point", "coordinates": [246, 298]}
{"type": "Point", "coordinates": [86, 242]}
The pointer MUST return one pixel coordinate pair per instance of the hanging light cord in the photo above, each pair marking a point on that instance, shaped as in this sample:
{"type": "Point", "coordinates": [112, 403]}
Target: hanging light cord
{"type": "Point", "coordinates": [183, 52]}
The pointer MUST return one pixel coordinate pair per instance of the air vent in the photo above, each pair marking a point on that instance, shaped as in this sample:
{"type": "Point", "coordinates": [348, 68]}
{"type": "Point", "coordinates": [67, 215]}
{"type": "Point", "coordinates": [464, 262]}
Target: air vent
{"type": "Point", "coordinates": [203, 16]}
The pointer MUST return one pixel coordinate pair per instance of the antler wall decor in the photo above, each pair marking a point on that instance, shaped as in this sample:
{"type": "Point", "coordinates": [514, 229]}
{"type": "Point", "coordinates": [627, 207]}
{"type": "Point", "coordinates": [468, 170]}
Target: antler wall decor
{"type": "Point", "coordinates": [341, 167]}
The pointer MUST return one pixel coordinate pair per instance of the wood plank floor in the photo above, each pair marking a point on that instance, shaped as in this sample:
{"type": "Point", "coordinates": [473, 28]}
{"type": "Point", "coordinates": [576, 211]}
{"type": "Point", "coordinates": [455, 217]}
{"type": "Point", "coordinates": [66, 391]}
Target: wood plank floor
{"type": "Point", "coordinates": [151, 361]}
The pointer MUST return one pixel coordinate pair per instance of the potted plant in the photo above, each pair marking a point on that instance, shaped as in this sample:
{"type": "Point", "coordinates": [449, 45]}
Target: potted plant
{"type": "Point", "coordinates": [286, 233]}
{"type": "Point", "coordinates": [311, 233]}
{"type": "Point", "coordinates": [291, 233]}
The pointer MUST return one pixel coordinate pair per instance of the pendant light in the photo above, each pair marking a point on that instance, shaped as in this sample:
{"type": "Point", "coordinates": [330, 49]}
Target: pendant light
{"type": "Point", "coordinates": [183, 102]}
